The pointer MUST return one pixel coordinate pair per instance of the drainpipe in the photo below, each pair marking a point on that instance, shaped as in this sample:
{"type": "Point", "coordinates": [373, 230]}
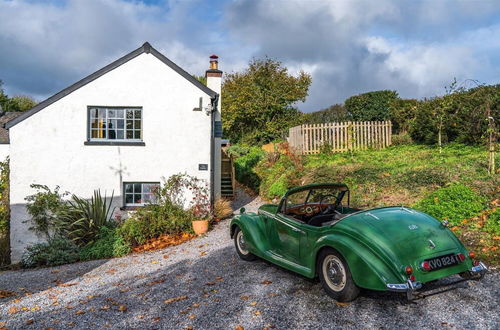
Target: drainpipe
{"type": "Point", "coordinates": [215, 100]}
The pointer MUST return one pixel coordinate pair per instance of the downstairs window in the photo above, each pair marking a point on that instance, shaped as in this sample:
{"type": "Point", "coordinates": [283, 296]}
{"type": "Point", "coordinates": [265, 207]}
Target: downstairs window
{"type": "Point", "coordinates": [140, 193]}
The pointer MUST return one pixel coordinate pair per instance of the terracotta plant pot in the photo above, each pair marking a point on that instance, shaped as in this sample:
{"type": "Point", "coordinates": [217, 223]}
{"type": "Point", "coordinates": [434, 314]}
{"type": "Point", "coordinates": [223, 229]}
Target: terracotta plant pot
{"type": "Point", "coordinates": [200, 226]}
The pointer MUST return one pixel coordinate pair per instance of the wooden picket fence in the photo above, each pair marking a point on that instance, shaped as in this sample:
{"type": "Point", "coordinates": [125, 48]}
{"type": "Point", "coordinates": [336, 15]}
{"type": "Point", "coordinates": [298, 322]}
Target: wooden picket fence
{"type": "Point", "coordinates": [340, 137]}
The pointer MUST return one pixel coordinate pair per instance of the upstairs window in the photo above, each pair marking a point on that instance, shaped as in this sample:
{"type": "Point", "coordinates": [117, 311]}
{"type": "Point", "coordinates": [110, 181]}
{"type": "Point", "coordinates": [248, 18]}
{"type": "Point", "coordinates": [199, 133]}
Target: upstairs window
{"type": "Point", "coordinates": [140, 193]}
{"type": "Point", "coordinates": [115, 123]}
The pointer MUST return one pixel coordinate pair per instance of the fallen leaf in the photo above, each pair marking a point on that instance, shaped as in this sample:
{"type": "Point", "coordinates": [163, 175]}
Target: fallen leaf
{"type": "Point", "coordinates": [244, 297]}
{"type": "Point", "coordinates": [253, 303]}
{"type": "Point", "coordinates": [272, 294]}
{"type": "Point", "coordinates": [155, 282]}
{"type": "Point", "coordinates": [196, 305]}
{"type": "Point", "coordinates": [140, 316]}
{"type": "Point", "coordinates": [7, 293]}
{"type": "Point", "coordinates": [210, 283]}
{"type": "Point", "coordinates": [218, 278]}
{"type": "Point", "coordinates": [28, 322]}
{"type": "Point", "coordinates": [189, 327]}
{"type": "Point", "coordinates": [239, 327]}
{"type": "Point", "coordinates": [165, 256]}
{"type": "Point", "coordinates": [105, 307]}
{"type": "Point", "coordinates": [192, 316]}
{"type": "Point", "coordinates": [13, 310]}
{"type": "Point", "coordinates": [156, 319]}
{"type": "Point", "coordinates": [80, 312]}
{"type": "Point", "coordinates": [203, 253]}
{"type": "Point", "coordinates": [54, 271]}
{"type": "Point", "coordinates": [66, 284]}
{"type": "Point", "coordinates": [172, 300]}
{"type": "Point", "coordinates": [111, 271]}
{"type": "Point", "coordinates": [341, 304]}
{"type": "Point", "coordinates": [257, 313]}
{"type": "Point", "coordinates": [71, 324]}
{"type": "Point", "coordinates": [154, 262]}
{"type": "Point", "coordinates": [265, 282]}
{"type": "Point", "coordinates": [122, 308]}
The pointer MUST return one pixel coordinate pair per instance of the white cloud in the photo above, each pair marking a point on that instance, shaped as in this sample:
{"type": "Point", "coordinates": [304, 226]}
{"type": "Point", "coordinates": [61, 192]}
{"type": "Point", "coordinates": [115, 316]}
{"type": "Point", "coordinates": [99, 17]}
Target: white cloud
{"type": "Point", "coordinates": [349, 47]}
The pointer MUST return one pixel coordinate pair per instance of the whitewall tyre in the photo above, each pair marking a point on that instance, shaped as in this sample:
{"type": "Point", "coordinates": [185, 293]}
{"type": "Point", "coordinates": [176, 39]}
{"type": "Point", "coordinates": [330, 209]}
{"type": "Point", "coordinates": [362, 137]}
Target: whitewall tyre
{"type": "Point", "coordinates": [335, 276]}
{"type": "Point", "coordinates": [241, 248]}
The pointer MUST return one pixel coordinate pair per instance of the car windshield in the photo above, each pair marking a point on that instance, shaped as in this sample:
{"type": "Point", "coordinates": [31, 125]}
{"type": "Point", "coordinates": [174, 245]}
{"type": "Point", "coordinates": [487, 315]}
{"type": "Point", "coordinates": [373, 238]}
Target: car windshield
{"type": "Point", "coordinates": [324, 195]}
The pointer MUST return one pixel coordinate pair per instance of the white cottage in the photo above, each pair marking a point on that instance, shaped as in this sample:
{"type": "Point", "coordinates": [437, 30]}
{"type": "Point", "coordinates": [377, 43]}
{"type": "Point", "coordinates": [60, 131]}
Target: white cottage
{"type": "Point", "coordinates": [123, 128]}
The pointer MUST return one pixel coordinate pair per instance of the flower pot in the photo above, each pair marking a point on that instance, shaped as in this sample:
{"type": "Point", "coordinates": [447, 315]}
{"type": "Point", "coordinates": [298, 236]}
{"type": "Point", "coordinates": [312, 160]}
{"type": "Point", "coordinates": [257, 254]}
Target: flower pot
{"type": "Point", "coordinates": [200, 226]}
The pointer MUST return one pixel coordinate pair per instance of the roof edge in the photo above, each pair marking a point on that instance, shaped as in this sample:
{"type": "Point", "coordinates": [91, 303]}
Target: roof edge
{"type": "Point", "coordinates": [145, 48]}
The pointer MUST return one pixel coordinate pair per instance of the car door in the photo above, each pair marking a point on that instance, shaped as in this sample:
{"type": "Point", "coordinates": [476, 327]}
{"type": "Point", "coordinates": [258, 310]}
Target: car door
{"type": "Point", "coordinates": [288, 236]}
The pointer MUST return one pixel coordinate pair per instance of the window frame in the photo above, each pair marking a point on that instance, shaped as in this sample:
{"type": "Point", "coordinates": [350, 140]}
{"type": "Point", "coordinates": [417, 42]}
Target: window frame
{"type": "Point", "coordinates": [142, 183]}
{"type": "Point", "coordinates": [107, 141]}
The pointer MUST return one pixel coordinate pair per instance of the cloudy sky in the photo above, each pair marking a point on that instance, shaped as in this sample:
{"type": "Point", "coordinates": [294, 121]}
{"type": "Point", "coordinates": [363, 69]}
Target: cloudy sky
{"type": "Point", "coordinates": [349, 47]}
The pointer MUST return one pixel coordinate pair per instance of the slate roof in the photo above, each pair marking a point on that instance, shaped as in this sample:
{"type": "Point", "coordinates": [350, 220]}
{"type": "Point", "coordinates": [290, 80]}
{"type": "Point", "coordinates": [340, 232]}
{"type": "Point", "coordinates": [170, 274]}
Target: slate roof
{"type": "Point", "coordinates": [145, 48]}
{"type": "Point", "coordinates": [4, 133]}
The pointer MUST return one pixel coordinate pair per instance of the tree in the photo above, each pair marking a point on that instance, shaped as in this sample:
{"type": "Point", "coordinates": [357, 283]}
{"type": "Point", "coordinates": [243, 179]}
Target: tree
{"type": "Point", "coordinates": [201, 79]}
{"type": "Point", "coordinates": [258, 103]}
{"type": "Point", "coordinates": [402, 114]}
{"type": "Point", "coordinates": [23, 102]}
{"type": "Point", "coordinates": [334, 113]}
{"type": "Point", "coordinates": [16, 103]}
{"type": "Point", "coordinates": [371, 106]}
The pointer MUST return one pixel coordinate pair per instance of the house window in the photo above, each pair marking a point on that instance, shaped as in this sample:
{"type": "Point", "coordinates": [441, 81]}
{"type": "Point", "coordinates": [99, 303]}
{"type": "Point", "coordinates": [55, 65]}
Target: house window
{"type": "Point", "coordinates": [115, 124]}
{"type": "Point", "coordinates": [140, 193]}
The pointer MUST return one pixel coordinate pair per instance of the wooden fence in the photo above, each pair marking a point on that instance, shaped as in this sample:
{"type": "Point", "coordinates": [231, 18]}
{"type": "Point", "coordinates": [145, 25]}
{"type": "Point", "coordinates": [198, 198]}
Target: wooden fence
{"type": "Point", "coordinates": [340, 137]}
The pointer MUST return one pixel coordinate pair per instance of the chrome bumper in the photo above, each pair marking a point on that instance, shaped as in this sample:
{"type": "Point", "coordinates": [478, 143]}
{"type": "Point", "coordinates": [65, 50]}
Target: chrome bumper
{"type": "Point", "coordinates": [476, 272]}
{"type": "Point", "coordinates": [480, 269]}
{"type": "Point", "coordinates": [403, 287]}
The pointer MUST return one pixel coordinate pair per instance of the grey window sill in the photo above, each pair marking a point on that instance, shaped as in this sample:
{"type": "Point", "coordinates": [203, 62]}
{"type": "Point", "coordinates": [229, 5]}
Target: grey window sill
{"type": "Point", "coordinates": [114, 143]}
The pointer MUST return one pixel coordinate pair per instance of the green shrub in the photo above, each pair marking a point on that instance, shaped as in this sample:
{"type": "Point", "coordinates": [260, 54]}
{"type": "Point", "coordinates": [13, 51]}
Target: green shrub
{"type": "Point", "coordinates": [81, 219]}
{"type": "Point", "coordinates": [238, 150]}
{"type": "Point", "coordinates": [44, 207]}
{"type": "Point", "coordinates": [56, 251]}
{"type": "Point", "coordinates": [493, 222]}
{"type": "Point", "coordinates": [154, 220]}
{"type": "Point", "coordinates": [279, 187]}
{"type": "Point", "coordinates": [108, 244]}
{"type": "Point", "coordinates": [244, 168]}
{"type": "Point", "coordinates": [401, 139]}
{"type": "Point", "coordinates": [370, 106]}
{"type": "Point", "coordinates": [453, 203]}
{"type": "Point", "coordinates": [4, 213]}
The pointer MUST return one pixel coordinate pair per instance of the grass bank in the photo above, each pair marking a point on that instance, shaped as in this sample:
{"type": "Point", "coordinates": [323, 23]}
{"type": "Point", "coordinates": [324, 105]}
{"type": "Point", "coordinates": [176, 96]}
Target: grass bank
{"type": "Point", "coordinates": [453, 184]}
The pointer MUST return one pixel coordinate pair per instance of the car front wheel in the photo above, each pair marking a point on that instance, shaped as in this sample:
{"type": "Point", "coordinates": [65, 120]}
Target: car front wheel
{"type": "Point", "coordinates": [335, 276]}
{"type": "Point", "coordinates": [241, 247]}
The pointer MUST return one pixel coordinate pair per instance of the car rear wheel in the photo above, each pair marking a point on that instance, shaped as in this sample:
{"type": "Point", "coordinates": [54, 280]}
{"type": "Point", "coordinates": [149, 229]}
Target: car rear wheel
{"type": "Point", "coordinates": [335, 276]}
{"type": "Point", "coordinates": [241, 248]}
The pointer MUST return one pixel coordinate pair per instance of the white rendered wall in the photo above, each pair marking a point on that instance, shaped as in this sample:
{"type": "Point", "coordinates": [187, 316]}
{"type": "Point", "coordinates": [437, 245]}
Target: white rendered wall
{"type": "Point", "coordinates": [48, 147]}
{"type": "Point", "coordinates": [215, 84]}
{"type": "Point", "coordinates": [4, 151]}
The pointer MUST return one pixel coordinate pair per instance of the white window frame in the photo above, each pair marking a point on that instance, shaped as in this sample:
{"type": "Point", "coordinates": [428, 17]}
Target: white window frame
{"type": "Point", "coordinates": [106, 120]}
{"type": "Point", "coordinates": [133, 204]}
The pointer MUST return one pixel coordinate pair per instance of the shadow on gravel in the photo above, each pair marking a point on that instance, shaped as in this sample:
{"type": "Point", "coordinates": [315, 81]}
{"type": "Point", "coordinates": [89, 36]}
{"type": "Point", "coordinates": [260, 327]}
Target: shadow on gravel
{"type": "Point", "coordinates": [31, 281]}
{"type": "Point", "coordinates": [216, 290]}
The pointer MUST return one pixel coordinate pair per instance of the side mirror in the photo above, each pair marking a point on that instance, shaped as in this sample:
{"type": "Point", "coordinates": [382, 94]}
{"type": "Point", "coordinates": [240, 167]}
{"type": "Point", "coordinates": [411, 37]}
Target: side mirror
{"type": "Point", "coordinates": [242, 210]}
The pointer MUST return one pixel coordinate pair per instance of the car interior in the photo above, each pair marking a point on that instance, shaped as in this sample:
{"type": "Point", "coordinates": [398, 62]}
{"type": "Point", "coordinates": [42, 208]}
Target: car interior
{"type": "Point", "coordinates": [319, 206]}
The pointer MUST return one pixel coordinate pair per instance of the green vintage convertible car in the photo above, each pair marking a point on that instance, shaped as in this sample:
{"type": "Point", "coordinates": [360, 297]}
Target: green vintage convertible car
{"type": "Point", "coordinates": [313, 231]}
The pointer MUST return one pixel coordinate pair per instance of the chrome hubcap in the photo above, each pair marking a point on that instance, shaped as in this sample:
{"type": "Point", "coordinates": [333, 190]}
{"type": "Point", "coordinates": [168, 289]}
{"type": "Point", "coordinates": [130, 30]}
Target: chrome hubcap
{"type": "Point", "coordinates": [335, 274]}
{"type": "Point", "coordinates": [241, 243]}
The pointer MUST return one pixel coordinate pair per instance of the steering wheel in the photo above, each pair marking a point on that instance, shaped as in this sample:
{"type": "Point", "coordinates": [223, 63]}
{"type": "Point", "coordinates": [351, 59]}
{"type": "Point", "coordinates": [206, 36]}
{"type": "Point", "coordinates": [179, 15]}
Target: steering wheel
{"type": "Point", "coordinates": [323, 197]}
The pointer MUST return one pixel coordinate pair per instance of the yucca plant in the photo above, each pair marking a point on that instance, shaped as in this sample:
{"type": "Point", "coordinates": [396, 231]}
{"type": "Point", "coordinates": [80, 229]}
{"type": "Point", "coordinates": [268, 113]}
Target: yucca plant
{"type": "Point", "coordinates": [82, 219]}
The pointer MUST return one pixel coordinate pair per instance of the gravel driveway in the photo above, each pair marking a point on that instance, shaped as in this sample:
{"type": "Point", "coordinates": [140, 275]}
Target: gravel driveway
{"type": "Point", "coordinates": [202, 284]}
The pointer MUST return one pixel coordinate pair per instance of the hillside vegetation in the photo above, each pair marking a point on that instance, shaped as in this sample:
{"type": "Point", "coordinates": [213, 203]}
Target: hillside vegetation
{"type": "Point", "coordinates": [452, 185]}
